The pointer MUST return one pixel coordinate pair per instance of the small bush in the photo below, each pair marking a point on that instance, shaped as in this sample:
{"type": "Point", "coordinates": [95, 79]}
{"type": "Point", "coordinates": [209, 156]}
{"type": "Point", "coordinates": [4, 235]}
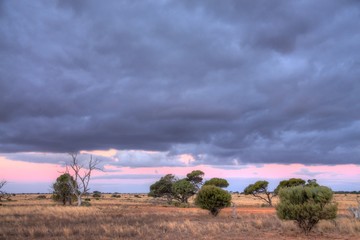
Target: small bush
{"type": "Point", "coordinates": [86, 203]}
{"type": "Point", "coordinates": [116, 196]}
{"type": "Point", "coordinates": [87, 199]}
{"type": "Point", "coordinates": [137, 196]}
{"type": "Point", "coordinates": [181, 205]}
{"type": "Point", "coordinates": [41, 197]}
{"type": "Point", "coordinates": [306, 205]}
{"type": "Point", "coordinates": [96, 194]}
{"type": "Point", "coordinates": [213, 199]}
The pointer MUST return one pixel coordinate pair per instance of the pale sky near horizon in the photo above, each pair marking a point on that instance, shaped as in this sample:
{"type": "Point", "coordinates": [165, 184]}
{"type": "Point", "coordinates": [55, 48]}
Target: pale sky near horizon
{"type": "Point", "coordinates": [244, 90]}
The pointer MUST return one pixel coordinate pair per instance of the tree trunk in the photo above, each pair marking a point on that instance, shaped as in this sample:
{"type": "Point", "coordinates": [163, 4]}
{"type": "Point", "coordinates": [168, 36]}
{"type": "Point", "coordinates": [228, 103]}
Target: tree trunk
{"type": "Point", "coordinates": [78, 200]}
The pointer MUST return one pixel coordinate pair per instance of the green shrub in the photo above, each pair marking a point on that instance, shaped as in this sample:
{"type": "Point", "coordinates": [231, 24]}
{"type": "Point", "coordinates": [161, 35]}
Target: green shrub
{"type": "Point", "coordinates": [41, 197]}
{"type": "Point", "coordinates": [306, 205]}
{"type": "Point", "coordinates": [213, 199]}
{"type": "Point", "coordinates": [116, 196]}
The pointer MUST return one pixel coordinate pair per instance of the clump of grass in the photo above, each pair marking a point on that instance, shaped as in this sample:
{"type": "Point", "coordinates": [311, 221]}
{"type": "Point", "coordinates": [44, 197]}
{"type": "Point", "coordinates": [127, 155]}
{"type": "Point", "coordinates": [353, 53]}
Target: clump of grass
{"type": "Point", "coordinates": [41, 197]}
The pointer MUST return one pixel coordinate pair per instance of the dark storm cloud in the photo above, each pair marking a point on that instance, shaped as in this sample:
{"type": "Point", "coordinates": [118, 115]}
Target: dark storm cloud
{"type": "Point", "coordinates": [230, 82]}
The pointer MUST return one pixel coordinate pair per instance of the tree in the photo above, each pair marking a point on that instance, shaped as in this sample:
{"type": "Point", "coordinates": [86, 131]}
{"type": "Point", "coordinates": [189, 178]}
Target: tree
{"type": "Point", "coordinates": [81, 174]}
{"type": "Point", "coordinates": [306, 205]}
{"type": "Point", "coordinates": [62, 190]}
{"type": "Point", "coordinates": [182, 190]}
{"type": "Point", "coordinates": [292, 182]}
{"type": "Point", "coordinates": [196, 178]}
{"type": "Point", "coordinates": [3, 194]}
{"type": "Point", "coordinates": [258, 189]}
{"type": "Point", "coordinates": [163, 188]}
{"type": "Point", "coordinates": [179, 189]}
{"type": "Point", "coordinates": [218, 182]}
{"type": "Point", "coordinates": [213, 198]}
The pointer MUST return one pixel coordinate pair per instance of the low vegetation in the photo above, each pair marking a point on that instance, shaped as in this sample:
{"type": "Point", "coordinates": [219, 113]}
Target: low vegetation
{"type": "Point", "coordinates": [129, 217]}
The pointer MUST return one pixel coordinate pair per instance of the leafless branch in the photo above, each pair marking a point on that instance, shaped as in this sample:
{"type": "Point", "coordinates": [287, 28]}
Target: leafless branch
{"type": "Point", "coordinates": [81, 174]}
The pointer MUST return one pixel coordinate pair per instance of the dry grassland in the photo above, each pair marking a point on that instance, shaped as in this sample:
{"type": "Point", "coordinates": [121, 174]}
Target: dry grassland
{"type": "Point", "coordinates": [140, 217]}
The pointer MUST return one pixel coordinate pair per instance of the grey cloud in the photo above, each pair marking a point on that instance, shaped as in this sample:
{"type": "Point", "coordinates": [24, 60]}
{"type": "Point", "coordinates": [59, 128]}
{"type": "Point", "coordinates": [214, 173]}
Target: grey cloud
{"type": "Point", "coordinates": [254, 82]}
{"type": "Point", "coordinates": [307, 172]}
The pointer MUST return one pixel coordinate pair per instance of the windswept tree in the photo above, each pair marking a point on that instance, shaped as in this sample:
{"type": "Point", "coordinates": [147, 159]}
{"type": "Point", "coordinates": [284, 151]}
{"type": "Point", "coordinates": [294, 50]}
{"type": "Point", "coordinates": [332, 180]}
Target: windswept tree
{"type": "Point", "coordinates": [306, 205]}
{"type": "Point", "coordinates": [163, 188]}
{"type": "Point", "coordinates": [81, 173]}
{"type": "Point", "coordinates": [260, 190]}
{"type": "Point", "coordinates": [183, 189]}
{"type": "Point", "coordinates": [218, 182]}
{"type": "Point", "coordinates": [196, 178]}
{"type": "Point", "coordinates": [178, 189]}
{"type": "Point", "coordinates": [62, 190]}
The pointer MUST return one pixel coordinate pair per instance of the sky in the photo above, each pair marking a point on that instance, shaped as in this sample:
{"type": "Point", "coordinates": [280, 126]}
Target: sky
{"type": "Point", "coordinates": [244, 90]}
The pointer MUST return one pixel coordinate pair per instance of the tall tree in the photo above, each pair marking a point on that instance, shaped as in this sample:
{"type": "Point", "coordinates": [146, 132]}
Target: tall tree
{"type": "Point", "coordinates": [81, 173]}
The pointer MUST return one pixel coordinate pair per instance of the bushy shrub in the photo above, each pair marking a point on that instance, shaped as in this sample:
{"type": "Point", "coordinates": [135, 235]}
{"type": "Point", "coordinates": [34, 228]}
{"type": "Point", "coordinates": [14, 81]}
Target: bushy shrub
{"type": "Point", "coordinates": [116, 196]}
{"type": "Point", "coordinates": [61, 189]}
{"type": "Point", "coordinates": [306, 205]}
{"type": "Point", "coordinates": [86, 203]}
{"type": "Point", "coordinates": [213, 199]}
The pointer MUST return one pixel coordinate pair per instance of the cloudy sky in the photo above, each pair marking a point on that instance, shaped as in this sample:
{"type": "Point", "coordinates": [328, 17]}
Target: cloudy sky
{"type": "Point", "coordinates": [244, 90]}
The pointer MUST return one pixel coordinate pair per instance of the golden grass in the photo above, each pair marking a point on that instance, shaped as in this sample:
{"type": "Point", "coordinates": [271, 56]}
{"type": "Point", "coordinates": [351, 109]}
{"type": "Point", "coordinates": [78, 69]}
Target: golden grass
{"type": "Point", "coordinates": [131, 217]}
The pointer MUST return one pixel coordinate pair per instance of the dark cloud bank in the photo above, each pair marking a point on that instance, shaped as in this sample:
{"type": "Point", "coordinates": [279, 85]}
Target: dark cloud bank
{"type": "Point", "coordinates": [225, 81]}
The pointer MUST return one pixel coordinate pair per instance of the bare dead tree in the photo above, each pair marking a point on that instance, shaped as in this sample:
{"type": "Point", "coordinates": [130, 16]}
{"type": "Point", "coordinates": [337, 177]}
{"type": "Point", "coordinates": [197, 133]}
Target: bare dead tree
{"type": "Point", "coordinates": [3, 194]}
{"type": "Point", "coordinates": [356, 210]}
{"type": "Point", "coordinates": [81, 173]}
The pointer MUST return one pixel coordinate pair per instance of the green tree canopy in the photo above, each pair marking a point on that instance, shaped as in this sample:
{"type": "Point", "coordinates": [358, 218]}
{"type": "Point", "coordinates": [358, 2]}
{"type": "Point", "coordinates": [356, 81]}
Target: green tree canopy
{"type": "Point", "coordinates": [306, 205]}
{"type": "Point", "coordinates": [163, 187]}
{"type": "Point", "coordinates": [182, 190]}
{"type": "Point", "coordinates": [218, 182]}
{"type": "Point", "coordinates": [292, 182]}
{"type": "Point", "coordinates": [195, 177]}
